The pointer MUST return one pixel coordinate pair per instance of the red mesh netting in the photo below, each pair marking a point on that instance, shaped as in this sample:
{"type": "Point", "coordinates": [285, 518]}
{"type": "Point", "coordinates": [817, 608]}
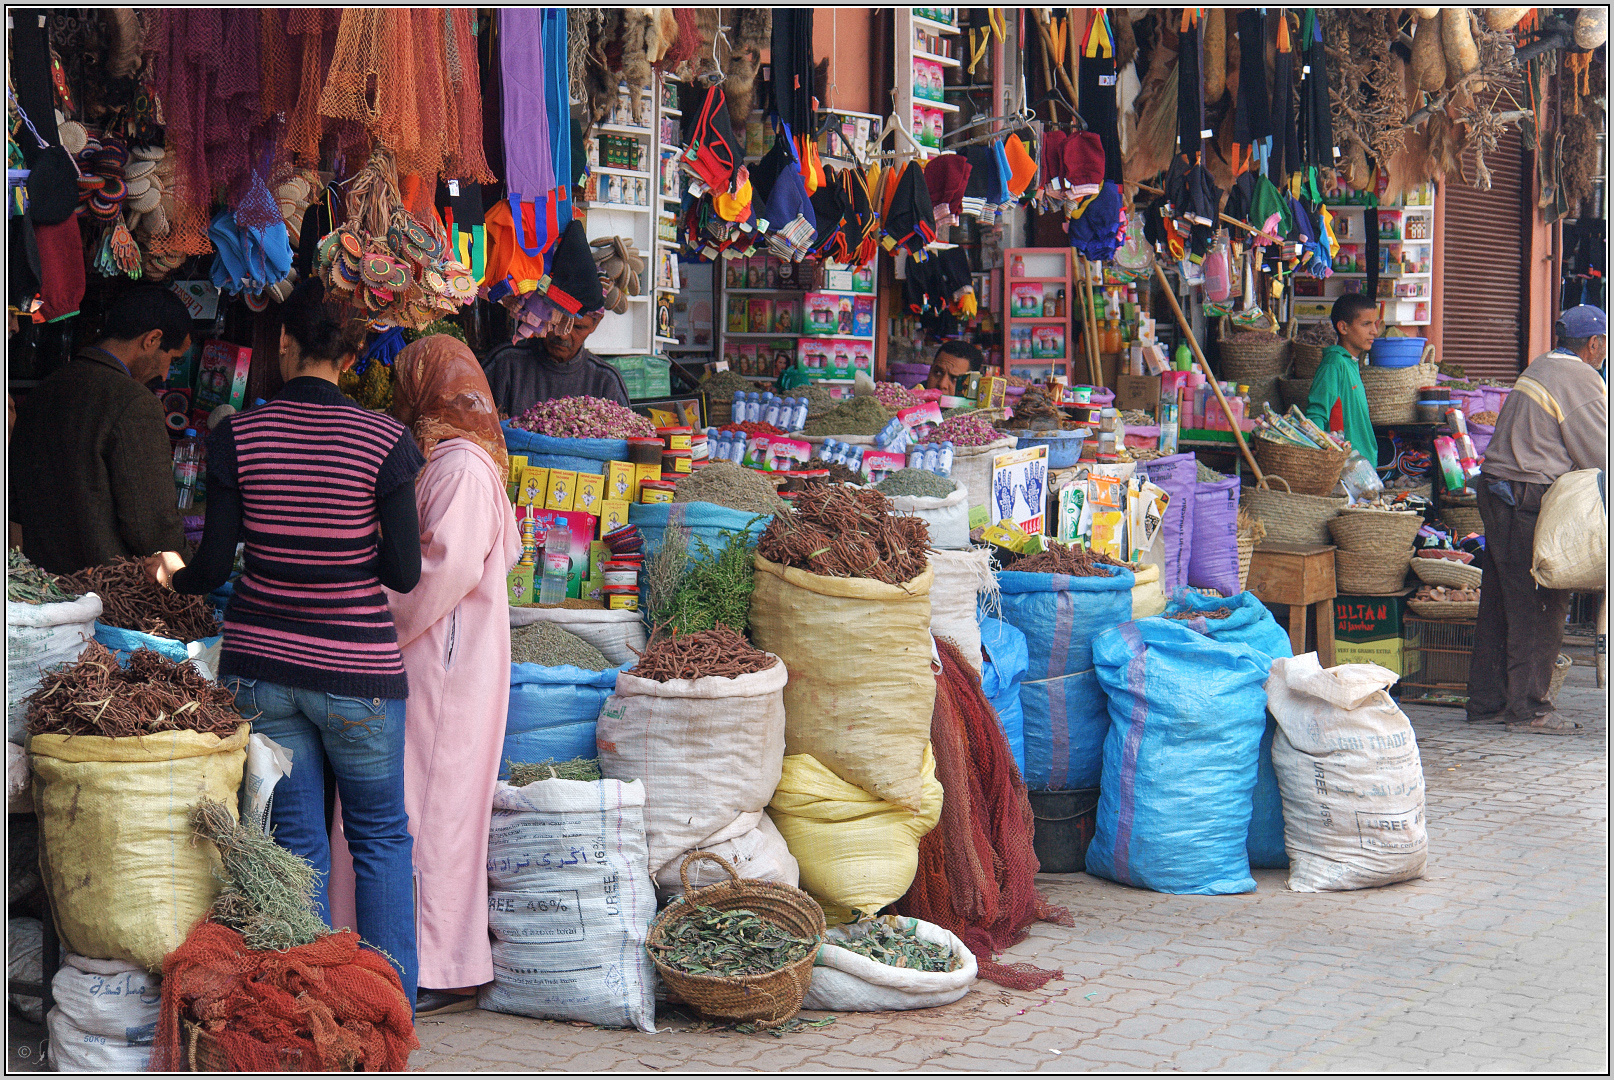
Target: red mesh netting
{"type": "Point", "coordinates": [315, 29]}
{"type": "Point", "coordinates": [977, 869]}
{"type": "Point", "coordinates": [281, 61]}
{"type": "Point", "coordinates": [341, 1006]}
{"type": "Point", "coordinates": [466, 159]}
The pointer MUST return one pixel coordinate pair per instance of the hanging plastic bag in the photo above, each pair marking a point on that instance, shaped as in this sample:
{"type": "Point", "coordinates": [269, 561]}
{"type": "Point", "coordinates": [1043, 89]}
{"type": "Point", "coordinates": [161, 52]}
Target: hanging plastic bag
{"type": "Point", "coordinates": [267, 762]}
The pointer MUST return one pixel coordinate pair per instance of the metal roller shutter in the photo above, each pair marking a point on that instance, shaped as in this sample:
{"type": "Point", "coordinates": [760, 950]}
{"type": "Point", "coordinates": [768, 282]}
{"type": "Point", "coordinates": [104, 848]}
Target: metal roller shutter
{"type": "Point", "coordinates": [1483, 318]}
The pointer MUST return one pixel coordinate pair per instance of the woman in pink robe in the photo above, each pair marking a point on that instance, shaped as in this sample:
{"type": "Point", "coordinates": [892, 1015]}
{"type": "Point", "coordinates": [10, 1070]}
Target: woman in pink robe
{"type": "Point", "coordinates": [454, 630]}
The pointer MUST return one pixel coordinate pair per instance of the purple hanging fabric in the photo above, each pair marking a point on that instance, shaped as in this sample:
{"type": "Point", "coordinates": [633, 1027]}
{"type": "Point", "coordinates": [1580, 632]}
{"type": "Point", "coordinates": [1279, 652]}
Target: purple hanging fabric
{"type": "Point", "coordinates": [529, 157]}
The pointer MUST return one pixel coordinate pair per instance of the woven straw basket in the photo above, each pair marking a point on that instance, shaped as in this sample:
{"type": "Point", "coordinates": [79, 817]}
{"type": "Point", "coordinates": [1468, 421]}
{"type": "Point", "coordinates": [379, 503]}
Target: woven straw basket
{"type": "Point", "coordinates": [1370, 575]}
{"type": "Point", "coordinates": [1375, 532]}
{"type": "Point", "coordinates": [1296, 391]}
{"type": "Point", "coordinates": [1291, 518]}
{"type": "Point", "coordinates": [1444, 609]}
{"type": "Point", "coordinates": [1246, 544]}
{"type": "Point", "coordinates": [1462, 520]}
{"type": "Point", "coordinates": [1392, 393]}
{"type": "Point", "coordinates": [1309, 472]}
{"type": "Point", "coordinates": [1251, 358]}
{"type": "Point", "coordinates": [1453, 575]}
{"type": "Point", "coordinates": [204, 1054]}
{"type": "Point", "coordinates": [765, 1000]}
{"type": "Point", "coordinates": [1307, 358]}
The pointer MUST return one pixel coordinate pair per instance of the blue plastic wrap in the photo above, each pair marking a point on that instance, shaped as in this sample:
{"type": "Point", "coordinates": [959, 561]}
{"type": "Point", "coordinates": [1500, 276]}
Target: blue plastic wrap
{"type": "Point", "coordinates": [714, 524]}
{"type": "Point", "coordinates": [1002, 670]}
{"type": "Point", "coordinates": [553, 711]}
{"type": "Point", "coordinates": [123, 642]}
{"type": "Point", "coordinates": [1180, 759]}
{"type": "Point", "coordinates": [580, 455]}
{"type": "Point", "coordinates": [1063, 705]}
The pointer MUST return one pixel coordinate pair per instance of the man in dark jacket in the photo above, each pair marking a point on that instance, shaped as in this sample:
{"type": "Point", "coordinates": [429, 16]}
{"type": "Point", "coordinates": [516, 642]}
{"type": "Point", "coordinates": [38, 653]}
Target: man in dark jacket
{"type": "Point", "coordinates": [92, 474]}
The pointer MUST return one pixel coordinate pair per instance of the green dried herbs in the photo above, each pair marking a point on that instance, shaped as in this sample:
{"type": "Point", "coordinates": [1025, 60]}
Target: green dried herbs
{"type": "Point", "coordinates": [859, 416]}
{"type": "Point", "coordinates": [729, 943]}
{"type": "Point", "coordinates": [900, 947]}
{"type": "Point", "coordinates": [526, 772]}
{"type": "Point", "coordinates": [28, 584]}
{"type": "Point", "coordinates": [547, 645]}
{"type": "Point", "coordinates": [916, 483]}
{"type": "Point", "coordinates": [268, 892]}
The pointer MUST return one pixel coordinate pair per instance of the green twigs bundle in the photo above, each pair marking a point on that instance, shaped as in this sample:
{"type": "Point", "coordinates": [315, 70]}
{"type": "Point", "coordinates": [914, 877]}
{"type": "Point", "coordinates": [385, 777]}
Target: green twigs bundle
{"type": "Point", "coordinates": [715, 590]}
{"type": "Point", "coordinates": [729, 943]}
{"type": "Point", "coordinates": [28, 584]}
{"type": "Point", "coordinates": [268, 893]}
{"type": "Point", "coordinates": [900, 947]}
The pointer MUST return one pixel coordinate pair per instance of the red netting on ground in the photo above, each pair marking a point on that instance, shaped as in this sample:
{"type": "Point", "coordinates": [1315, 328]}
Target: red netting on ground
{"type": "Point", "coordinates": [977, 869]}
{"type": "Point", "coordinates": [341, 1006]}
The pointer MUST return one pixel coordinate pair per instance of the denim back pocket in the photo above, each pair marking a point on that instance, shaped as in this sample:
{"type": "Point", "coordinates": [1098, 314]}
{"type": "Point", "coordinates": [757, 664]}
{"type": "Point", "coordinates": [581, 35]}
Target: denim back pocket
{"type": "Point", "coordinates": [355, 718]}
{"type": "Point", "coordinates": [246, 696]}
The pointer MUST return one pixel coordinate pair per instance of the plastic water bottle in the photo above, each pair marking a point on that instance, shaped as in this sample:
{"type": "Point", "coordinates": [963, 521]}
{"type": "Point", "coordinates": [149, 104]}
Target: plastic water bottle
{"type": "Point", "coordinates": [770, 414]}
{"type": "Point", "coordinates": [932, 457]}
{"type": "Point", "coordinates": [798, 414]}
{"type": "Point", "coordinates": [916, 458]}
{"type": "Point", "coordinates": [854, 458]}
{"type": "Point", "coordinates": [719, 445]}
{"type": "Point", "coordinates": [557, 564]}
{"type": "Point", "coordinates": [737, 448]}
{"type": "Point", "coordinates": [944, 461]}
{"type": "Point", "coordinates": [187, 468]}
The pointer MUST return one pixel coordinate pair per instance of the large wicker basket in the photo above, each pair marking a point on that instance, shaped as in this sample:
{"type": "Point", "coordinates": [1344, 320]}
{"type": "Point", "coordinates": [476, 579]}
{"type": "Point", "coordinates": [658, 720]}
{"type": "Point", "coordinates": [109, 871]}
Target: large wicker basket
{"type": "Point", "coordinates": [1462, 520]}
{"type": "Point", "coordinates": [1392, 393]}
{"type": "Point", "coordinates": [1296, 391]}
{"type": "Point", "coordinates": [1453, 575]}
{"type": "Point", "coordinates": [1444, 609]}
{"type": "Point", "coordinates": [1252, 358]}
{"type": "Point", "coordinates": [765, 1000]}
{"type": "Point", "coordinates": [1291, 518]}
{"type": "Point", "coordinates": [1246, 545]}
{"type": "Point", "coordinates": [1309, 472]}
{"type": "Point", "coordinates": [203, 1053]}
{"type": "Point", "coordinates": [1375, 532]}
{"type": "Point", "coordinates": [1307, 359]}
{"type": "Point", "coordinates": [1370, 575]}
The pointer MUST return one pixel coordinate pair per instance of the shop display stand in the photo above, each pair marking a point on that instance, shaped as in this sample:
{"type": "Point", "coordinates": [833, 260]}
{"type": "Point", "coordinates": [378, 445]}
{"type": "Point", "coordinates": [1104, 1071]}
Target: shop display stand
{"type": "Point", "coordinates": [921, 43]}
{"type": "Point", "coordinates": [1050, 270]}
{"type": "Point", "coordinates": [825, 277]}
{"type": "Point", "coordinates": [1418, 219]}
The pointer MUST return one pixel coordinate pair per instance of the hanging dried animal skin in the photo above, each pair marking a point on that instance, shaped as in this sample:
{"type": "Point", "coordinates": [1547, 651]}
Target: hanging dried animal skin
{"type": "Point", "coordinates": [1155, 133]}
{"type": "Point", "coordinates": [1428, 58]}
{"type": "Point", "coordinates": [1126, 43]}
{"type": "Point", "coordinates": [1447, 142]}
{"type": "Point", "coordinates": [749, 31]}
{"type": "Point", "coordinates": [636, 29]}
{"type": "Point", "coordinates": [663, 34]}
{"type": "Point", "coordinates": [1214, 37]}
{"type": "Point", "coordinates": [1581, 157]}
{"type": "Point", "coordinates": [712, 58]}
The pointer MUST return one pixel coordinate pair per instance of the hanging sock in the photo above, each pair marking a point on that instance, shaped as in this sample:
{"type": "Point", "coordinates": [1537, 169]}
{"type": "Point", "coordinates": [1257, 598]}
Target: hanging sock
{"type": "Point", "coordinates": [1096, 90]}
{"type": "Point", "coordinates": [1022, 166]}
{"type": "Point", "coordinates": [459, 203]}
{"type": "Point", "coordinates": [1285, 129]}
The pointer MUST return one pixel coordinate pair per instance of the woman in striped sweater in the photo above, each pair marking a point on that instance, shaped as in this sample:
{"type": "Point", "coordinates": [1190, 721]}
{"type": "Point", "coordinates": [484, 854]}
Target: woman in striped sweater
{"type": "Point", "coordinates": [321, 493]}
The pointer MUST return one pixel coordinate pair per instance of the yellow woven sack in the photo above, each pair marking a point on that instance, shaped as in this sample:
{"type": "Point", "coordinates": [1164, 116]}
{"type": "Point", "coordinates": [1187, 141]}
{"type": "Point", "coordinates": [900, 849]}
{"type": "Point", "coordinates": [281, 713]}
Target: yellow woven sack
{"type": "Point", "coordinates": [1148, 598]}
{"type": "Point", "coordinates": [1571, 546]}
{"type": "Point", "coordinates": [855, 851]}
{"type": "Point", "coordinates": [861, 686]}
{"type": "Point", "coordinates": [125, 879]}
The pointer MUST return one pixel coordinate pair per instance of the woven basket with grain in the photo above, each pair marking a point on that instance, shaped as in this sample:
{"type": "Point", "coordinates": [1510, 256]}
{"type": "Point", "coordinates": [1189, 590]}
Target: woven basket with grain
{"type": "Point", "coordinates": [1251, 356]}
{"type": "Point", "coordinates": [765, 1000]}
{"type": "Point", "coordinates": [1453, 575]}
{"type": "Point", "coordinates": [1370, 575]}
{"type": "Point", "coordinates": [1375, 532]}
{"type": "Point", "coordinates": [1444, 609]}
{"type": "Point", "coordinates": [1308, 471]}
{"type": "Point", "coordinates": [1307, 358]}
{"type": "Point", "coordinates": [1462, 520]}
{"type": "Point", "coordinates": [1392, 393]}
{"type": "Point", "coordinates": [1291, 518]}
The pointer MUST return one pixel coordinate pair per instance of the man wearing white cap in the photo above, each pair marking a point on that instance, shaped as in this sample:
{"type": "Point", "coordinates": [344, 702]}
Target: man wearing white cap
{"type": "Point", "coordinates": [1555, 421]}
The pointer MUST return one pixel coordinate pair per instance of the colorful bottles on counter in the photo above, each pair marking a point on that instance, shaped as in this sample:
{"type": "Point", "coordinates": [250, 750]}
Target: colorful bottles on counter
{"type": "Point", "coordinates": [187, 468]}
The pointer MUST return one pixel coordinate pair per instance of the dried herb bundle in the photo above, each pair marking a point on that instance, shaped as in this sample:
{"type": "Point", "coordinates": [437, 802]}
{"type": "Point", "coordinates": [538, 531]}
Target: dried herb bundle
{"type": "Point", "coordinates": [1070, 561]}
{"type": "Point", "coordinates": [132, 601]}
{"type": "Point", "coordinates": [1213, 613]}
{"type": "Point", "coordinates": [94, 696]}
{"type": "Point", "coordinates": [900, 947]}
{"type": "Point", "coordinates": [268, 893]}
{"type": "Point", "coordinates": [839, 531]}
{"type": "Point", "coordinates": [664, 574]}
{"type": "Point", "coordinates": [716, 588]}
{"type": "Point", "coordinates": [28, 584]}
{"type": "Point", "coordinates": [727, 943]}
{"type": "Point", "coordinates": [723, 653]}
{"type": "Point", "coordinates": [527, 772]}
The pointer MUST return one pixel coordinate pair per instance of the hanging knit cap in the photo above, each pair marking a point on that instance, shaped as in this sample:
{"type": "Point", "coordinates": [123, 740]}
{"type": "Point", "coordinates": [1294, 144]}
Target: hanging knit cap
{"type": "Point", "coordinates": [946, 178]}
{"type": "Point", "coordinates": [573, 281]}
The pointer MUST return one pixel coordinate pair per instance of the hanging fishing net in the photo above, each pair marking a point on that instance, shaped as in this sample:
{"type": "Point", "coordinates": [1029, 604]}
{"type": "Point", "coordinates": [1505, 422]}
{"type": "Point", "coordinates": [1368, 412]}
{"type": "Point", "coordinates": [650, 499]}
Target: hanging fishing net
{"type": "Point", "coordinates": [977, 869]}
{"type": "Point", "coordinates": [466, 160]}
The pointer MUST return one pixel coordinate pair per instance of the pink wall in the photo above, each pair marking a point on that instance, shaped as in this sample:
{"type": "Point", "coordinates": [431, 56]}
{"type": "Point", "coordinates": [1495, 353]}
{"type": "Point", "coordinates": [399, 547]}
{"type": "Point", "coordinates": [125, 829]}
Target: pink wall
{"type": "Point", "coordinates": [847, 35]}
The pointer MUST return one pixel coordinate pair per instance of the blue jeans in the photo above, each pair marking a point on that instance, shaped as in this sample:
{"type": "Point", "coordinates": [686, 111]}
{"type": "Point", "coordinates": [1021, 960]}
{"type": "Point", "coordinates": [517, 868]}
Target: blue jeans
{"type": "Point", "coordinates": [363, 738]}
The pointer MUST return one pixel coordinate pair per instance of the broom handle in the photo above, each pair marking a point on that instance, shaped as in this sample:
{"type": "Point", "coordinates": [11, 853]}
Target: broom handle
{"type": "Point", "coordinates": [1193, 343]}
{"type": "Point", "coordinates": [1245, 225]}
{"type": "Point", "coordinates": [1084, 285]}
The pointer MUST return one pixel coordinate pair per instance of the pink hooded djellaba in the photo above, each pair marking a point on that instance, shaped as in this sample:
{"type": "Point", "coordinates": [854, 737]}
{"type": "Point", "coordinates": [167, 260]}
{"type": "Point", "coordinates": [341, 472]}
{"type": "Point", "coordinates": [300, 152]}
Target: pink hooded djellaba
{"type": "Point", "coordinates": [454, 630]}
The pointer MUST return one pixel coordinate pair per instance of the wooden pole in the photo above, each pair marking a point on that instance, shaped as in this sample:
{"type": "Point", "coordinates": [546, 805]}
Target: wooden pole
{"type": "Point", "coordinates": [1039, 17]}
{"type": "Point", "coordinates": [1084, 283]}
{"type": "Point", "coordinates": [1204, 366]}
{"type": "Point", "coordinates": [1245, 225]}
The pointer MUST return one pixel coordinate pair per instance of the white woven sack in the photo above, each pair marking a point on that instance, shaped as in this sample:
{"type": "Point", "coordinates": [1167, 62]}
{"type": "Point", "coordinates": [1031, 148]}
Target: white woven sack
{"type": "Point", "coordinates": [961, 576]}
{"type": "Point", "coordinates": [39, 636]}
{"type": "Point", "coordinates": [1571, 550]}
{"type": "Point", "coordinates": [105, 1018]}
{"type": "Point", "coordinates": [845, 981]}
{"type": "Point", "coordinates": [758, 854]}
{"type": "Point", "coordinates": [947, 517]}
{"type": "Point", "coordinates": [614, 633]}
{"type": "Point", "coordinates": [972, 465]}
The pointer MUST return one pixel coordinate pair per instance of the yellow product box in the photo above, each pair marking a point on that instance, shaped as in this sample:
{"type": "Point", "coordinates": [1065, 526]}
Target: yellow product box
{"type": "Point", "coordinates": [613, 516]}
{"type": "Point", "coordinates": [590, 493]}
{"type": "Point", "coordinates": [534, 486]}
{"type": "Point", "coordinates": [620, 482]}
{"type": "Point", "coordinates": [993, 389]}
{"type": "Point", "coordinates": [594, 584]}
{"type": "Point", "coordinates": [562, 489]}
{"type": "Point", "coordinates": [1007, 534]}
{"type": "Point", "coordinates": [623, 601]}
{"type": "Point", "coordinates": [641, 473]}
{"type": "Point", "coordinates": [520, 584]}
{"type": "Point", "coordinates": [518, 462]}
{"type": "Point", "coordinates": [1386, 652]}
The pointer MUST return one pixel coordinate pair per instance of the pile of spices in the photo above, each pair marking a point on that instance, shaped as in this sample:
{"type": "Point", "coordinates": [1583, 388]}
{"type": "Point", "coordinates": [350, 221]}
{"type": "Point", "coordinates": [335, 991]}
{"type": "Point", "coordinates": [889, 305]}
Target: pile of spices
{"type": "Point", "coordinates": [268, 893]}
{"type": "Point", "coordinates": [728, 943]}
{"type": "Point", "coordinates": [571, 603]}
{"type": "Point", "coordinates": [899, 947]}
{"type": "Point", "coordinates": [527, 772]}
{"type": "Point", "coordinates": [1318, 333]}
{"type": "Point", "coordinates": [28, 584]}
{"type": "Point", "coordinates": [841, 531]}
{"type": "Point", "coordinates": [1035, 410]}
{"type": "Point", "coordinates": [1213, 613]}
{"type": "Point", "coordinates": [819, 400]}
{"type": "Point", "coordinates": [753, 427]}
{"type": "Point", "coordinates": [1141, 453]}
{"type": "Point", "coordinates": [1486, 417]}
{"type": "Point", "coordinates": [723, 653]}
{"type": "Point", "coordinates": [1136, 418]}
{"type": "Point", "coordinates": [585, 418]}
{"type": "Point", "coordinates": [838, 473]}
{"type": "Point", "coordinates": [916, 483]}
{"type": "Point", "coordinates": [132, 601]}
{"type": "Point", "coordinates": [895, 396]}
{"type": "Point", "coordinates": [730, 485]}
{"type": "Point", "coordinates": [859, 416]}
{"type": "Point", "coordinates": [547, 645]}
{"type": "Point", "coordinates": [95, 696]}
{"type": "Point", "coordinates": [966, 431]}
{"type": "Point", "coordinates": [1070, 561]}
{"type": "Point", "coordinates": [723, 385]}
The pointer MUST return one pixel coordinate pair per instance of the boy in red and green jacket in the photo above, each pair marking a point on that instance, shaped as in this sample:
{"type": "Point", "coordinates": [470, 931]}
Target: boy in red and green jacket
{"type": "Point", "coordinates": [1338, 402]}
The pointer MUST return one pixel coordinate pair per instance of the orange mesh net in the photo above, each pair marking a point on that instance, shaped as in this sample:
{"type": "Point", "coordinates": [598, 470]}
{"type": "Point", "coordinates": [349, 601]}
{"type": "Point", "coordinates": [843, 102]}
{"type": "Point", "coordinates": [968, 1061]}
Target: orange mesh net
{"type": "Point", "coordinates": [977, 869]}
{"type": "Point", "coordinates": [338, 1006]}
{"type": "Point", "coordinates": [466, 159]}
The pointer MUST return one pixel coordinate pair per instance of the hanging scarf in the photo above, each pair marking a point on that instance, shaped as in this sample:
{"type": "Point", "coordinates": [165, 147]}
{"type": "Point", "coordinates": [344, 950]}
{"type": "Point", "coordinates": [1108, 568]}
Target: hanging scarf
{"type": "Point", "coordinates": [1096, 91]}
{"type": "Point", "coordinates": [1190, 87]}
{"type": "Point", "coordinates": [1286, 135]}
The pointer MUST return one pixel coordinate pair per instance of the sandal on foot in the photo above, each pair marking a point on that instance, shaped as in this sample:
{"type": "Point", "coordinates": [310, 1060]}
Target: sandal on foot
{"type": "Point", "coordinates": [1551, 724]}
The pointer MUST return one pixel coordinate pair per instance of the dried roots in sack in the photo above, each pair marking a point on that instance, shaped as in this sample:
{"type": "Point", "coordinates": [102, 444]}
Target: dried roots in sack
{"type": "Point", "coordinates": [723, 653]}
{"type": "Point", "coordinates": [132, 601]}
{"type": "Point", "coordinates": [840, 531]}
{"type": "Point", "coordinates": [95, 696]}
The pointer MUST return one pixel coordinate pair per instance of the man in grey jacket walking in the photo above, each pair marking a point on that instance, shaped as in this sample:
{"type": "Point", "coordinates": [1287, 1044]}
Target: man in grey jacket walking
{"type": "Point", "coordinates": [1555, 421]}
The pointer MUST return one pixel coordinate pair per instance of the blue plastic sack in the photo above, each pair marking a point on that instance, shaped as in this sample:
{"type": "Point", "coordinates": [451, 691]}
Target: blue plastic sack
{"type": "Point", "coordinates": [1002, 670]}
{"type": "Point", "coordinates": [714, 524]}
{"type": "Point", "coordinates": [579, 455]}
{"type": "Point", "coordinates": [552, 713]}
{"type": "Point", "coordinates": [1180, 759]}
{"type": "Point", "coordinates": [1251, 624]}
{"type": "Point", "coordinates": [1213, 550]}
{"type": "Point", "coordinates": [1064, 708]}
{"type": "Point", "coordinates": [123, 642]}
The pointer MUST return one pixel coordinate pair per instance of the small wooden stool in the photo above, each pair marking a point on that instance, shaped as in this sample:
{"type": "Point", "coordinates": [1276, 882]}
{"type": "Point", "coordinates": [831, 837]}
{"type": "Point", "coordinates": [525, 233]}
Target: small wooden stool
{"type": "Point", "coordinates": [1301, 576]}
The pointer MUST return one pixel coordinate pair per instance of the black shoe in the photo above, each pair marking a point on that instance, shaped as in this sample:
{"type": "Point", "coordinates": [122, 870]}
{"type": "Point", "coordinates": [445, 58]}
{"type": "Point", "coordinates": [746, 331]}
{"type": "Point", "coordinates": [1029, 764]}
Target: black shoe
{"type": "Point", "coordinates": [440, 1003]}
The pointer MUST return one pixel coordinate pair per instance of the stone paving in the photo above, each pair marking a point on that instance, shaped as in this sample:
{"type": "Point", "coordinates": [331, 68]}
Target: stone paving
{"type": "Point", "coordinates": [1496, 960]}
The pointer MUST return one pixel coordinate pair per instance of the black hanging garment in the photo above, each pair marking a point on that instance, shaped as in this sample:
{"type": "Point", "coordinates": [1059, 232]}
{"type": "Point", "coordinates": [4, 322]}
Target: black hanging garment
{"type": "Point", "coordinates": [1285, 157]}
{"type": "Point", "coordinates": [1316, 114]}
{"type": "Point", "coordinates": [1190, 89]}
{"type": "Point", "coordinates": [1096, 86]}
{"type": "Point", "coordinates": [792, 59]}
{"type": "Point", "coordinates": [1253, 120]}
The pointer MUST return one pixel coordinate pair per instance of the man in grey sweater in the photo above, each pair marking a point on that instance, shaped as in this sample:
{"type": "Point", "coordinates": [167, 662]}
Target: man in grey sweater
{"type": "Point", "coordinates": [1555, 421]}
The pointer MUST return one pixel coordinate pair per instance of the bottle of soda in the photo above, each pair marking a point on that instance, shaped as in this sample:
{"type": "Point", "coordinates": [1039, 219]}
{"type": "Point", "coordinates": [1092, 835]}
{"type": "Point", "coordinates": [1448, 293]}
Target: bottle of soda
{"type": "Point", "coordinates": [187, 468]}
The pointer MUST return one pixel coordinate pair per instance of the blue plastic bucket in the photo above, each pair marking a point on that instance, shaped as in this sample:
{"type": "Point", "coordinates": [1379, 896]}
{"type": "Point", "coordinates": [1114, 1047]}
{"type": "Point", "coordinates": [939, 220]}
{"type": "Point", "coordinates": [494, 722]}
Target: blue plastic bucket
{"type": "Point", "coordinates": [1396, 352]}
{"type": "Point", "coordinates": [1064, 450]}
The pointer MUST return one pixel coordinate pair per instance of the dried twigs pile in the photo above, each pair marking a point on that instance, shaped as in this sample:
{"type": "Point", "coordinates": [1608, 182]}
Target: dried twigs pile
{"type": "Point", "coordinates": [727, 943]}
{"type": "Point", "coordinates": [721, 653]}
{"type": "Point", "coordinates": [839, 531]}
{"type": "Point", "coordinates": [132, 601]}
{"type": "Point", "coordinates": [94, 696]}
{"type": "Point", "coordinates": [1035, 410]}
{"type": "Point", "coordinates": [1213, 613]}
{"type": "Point", "coordinates": [900, 947]}
{"type": "Point", "coordinates": [527, 772]}
{"type": "Point", "coordinates": [838, 473]}
{"type": "Point", "coordinates": [268, 893]}
{"type": "Point", "coordinates": [1070, 561]}
{"type": "Point", "coordinates": [28, 584]}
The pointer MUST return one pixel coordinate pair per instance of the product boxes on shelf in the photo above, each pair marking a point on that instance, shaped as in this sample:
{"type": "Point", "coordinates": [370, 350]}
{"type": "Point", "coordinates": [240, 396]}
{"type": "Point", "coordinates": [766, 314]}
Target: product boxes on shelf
{"type": "Point", "coordinates": [827, 314]}
{"type": "Point", "coordinates": [222, 379]}
{"type": "Point", "coordinates": [562, 489]}
{"type": "Point", "coordinates": [590, 491]}
{"type": "Point", "coordinates": [618, 481]}
{"type": "Point", "coordinates": [613, 516]}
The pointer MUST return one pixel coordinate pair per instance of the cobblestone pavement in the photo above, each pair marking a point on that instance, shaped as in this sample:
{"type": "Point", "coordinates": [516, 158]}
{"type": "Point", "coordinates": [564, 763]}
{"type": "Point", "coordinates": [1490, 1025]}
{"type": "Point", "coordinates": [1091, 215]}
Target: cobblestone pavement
{"type": "Point", "coordinates": [1496, 960]}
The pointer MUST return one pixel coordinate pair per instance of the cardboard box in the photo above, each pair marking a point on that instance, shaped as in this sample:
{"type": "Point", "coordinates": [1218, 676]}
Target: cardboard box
{"type": "Point", "coordinates": [619, 482]}
{"type": "Point", "coordinates": [562, 489]}
{"type": "Point", "coordinates": [641, 473]}
{"type": "Point", "coordinates": [1138, 392]}
{"type": "Point", "coordinates": [222, 379]}
{"type": "Point", "coordinates": [534, 486]}
{"type": "Point", "coordinates": [519, 582]}
{"type": "Point", "coordinates": [613, 516]}
{"type": "Point", "coordinates": [580, 525]}
{"type": "Point", "coordinates": [1368, 619]}
{"type": "Point", "coordinates": [1386, 652]}
{"type": "Point", "coordinates": [590, 493]}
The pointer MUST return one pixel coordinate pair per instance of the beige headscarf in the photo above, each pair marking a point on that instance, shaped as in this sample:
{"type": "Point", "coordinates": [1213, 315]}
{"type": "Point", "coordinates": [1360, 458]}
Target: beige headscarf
{"type": "Point", "coordinates": [441, 393]}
